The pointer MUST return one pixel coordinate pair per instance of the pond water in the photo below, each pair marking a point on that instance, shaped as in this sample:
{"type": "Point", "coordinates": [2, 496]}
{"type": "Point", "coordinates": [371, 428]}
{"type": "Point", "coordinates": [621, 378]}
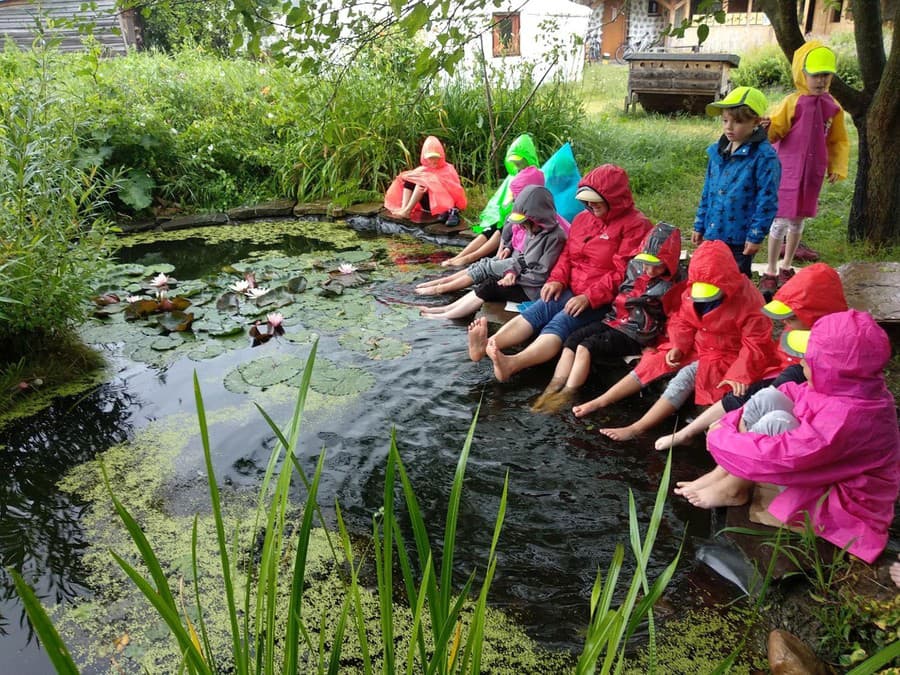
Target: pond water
{"type": "Point", "coordinates": [386, 368]}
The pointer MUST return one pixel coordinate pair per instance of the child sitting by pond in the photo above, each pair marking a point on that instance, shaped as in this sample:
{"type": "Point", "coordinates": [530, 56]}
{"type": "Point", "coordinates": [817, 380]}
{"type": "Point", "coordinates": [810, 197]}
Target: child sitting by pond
{"type": "Point", "coordinates": [431, 188]}
{"type": "Point", "coordinates": [718, 340]}
{"type": "Point", "coordinates": [651, 291]}
{"type": "Point", "coordinates": [585, 279]}
{"type": "Point", "coordinates": [831, 443]}
{"type": "Point", "coordinates": [512, 237]}
{"type": "Point", "coordinates": [740, 193]}
{"type": "Point", "coordinates": [520, 276]}
{"type": "Point", "coordinates": [814, 292]}
{"type": "Point", "coordinates": [521, 154]}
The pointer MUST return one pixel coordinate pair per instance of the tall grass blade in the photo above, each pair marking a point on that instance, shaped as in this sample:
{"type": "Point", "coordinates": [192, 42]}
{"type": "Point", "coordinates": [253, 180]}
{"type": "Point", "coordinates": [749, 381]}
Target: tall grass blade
{"type": "Point", "coordinates": [56, 649]}
{"type": "Point", "coordinates": [195, 573]}
{"type": "Point", "coordinates": [417, 633]}
{"type": "Point", "coordinates": [354, 592]}
{"type": "Point", "coordinates": [416, 597]}
{"type": "Point", "coordinates": [334, 662]}
{"type": "Point", "coordinates": [881, 658]}
{"type": "Point", "coordinates": [384, 563]}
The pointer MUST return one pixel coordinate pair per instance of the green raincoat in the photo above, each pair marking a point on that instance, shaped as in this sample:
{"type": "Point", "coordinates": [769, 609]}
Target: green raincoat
{"type": "Point", "coordinates": [499, 206]}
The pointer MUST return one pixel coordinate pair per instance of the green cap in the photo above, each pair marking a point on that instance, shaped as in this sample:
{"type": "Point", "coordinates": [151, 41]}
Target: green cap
{"type": "Point", "coordinates": [703, 292]}
{"type": "Point", "coordinates": [794, 342]}
{"type": "Point", "coordinates": [748, 96]}
{"type": "Point", "coordinates": [778, 310]}
{"type": "Point", "coordinates": [820, 60]}
{"type": "Point", "coordinates": [517, 217]}
{"type": "Point", "coordinates": [648, 258]}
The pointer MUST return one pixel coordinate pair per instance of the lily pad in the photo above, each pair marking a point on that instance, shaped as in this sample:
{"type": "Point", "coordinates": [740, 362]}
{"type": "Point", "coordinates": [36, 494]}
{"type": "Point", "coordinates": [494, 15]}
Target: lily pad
{"type": "Point", "coordinates": [229, 302]}
{"type": "Point", "coordinates": [164, 343]}
{"type": "Point", "coordinates": [375, 346]}
{"type": "Point", "coordinates": [297, 284]}
{"type": "Point", "coordinates": [176, 321]}
{"type": "Point", "coordinates": [329, 378]}
{"type": "Point", "coordinates": [263, 372]}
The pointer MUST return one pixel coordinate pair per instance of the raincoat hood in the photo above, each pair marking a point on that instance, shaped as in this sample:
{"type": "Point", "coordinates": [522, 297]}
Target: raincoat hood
{"type": "Point", "coordinates": [664, 241]}
{"type": "Point", "coordinates": [611, 183]}
{"type": "Point", "coordinates": [713, 263]}
{"type": "Point", "coordinates": [847, 353]}
{"type": "Point", "coordinates": [523, 146]}
{"type": "Point", "coordinates": [813, 292]}
{"type": "Point", "coordinates": [530, 175]}
{"type": "Point", "coordinates": [430, 146]}
{"type": "Point", "coordinates": [797, 66]}
{"type": "Point", "coordinates": [536, 202]}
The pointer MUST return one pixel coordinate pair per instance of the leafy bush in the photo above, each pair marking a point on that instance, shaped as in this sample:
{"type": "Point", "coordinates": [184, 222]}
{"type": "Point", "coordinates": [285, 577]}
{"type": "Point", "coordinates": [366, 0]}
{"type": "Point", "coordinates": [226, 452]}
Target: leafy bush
{"type": "Point", "coordinates": [763, 68]}
{"type": "Point", "coordinates": [52, 235]}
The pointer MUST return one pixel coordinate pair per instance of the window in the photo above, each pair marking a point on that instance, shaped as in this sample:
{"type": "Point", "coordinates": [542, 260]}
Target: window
{"type": "Point", "coordinates": [652, 8]}
{"type": "Point", "coordinates": [506, 34]}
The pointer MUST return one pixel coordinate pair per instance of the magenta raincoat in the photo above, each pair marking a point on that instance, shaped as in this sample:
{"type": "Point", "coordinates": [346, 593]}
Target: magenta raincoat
{"type": "Point", "coordinates": [842, 464]}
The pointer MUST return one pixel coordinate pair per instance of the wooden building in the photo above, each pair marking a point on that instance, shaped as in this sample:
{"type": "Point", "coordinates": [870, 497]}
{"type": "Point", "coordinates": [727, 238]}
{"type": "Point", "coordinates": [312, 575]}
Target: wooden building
{"type": "Point", "coordinates": [71, 22]}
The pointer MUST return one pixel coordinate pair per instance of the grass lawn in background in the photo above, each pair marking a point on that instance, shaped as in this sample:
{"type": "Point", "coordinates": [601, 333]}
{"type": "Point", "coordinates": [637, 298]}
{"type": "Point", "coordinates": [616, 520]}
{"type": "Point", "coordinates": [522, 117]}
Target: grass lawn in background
{"type": "Point", "coordinates": [665, 156]}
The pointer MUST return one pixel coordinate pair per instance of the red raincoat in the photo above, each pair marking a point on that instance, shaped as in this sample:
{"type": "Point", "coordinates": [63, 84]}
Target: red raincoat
{"type": "Point", "coordinates": [598, 249]}
{"type": "Point", "coordinates": [732, 341]}
{"type": "Point", "coordinates": [442, 182]}
{"type": "Point", "coordinates": [811, 293]}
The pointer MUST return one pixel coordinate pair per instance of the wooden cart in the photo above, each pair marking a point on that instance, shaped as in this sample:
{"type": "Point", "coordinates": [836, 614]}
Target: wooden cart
{"type": "Point", "coordinates": [670, 83]}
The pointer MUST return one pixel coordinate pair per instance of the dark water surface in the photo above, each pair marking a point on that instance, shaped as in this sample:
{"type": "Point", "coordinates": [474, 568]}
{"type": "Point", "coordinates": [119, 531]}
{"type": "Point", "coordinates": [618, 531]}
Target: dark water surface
{"type": "Point", "coordinates": [568, 501]}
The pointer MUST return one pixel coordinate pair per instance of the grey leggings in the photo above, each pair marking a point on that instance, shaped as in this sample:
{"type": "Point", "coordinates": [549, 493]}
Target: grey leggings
{"type": "Point", "coordinates": [769, 412]}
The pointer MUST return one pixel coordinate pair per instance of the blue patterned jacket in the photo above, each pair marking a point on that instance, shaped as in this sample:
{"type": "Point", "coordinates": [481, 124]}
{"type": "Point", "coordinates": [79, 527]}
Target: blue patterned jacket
{"type": "Point", "coordinates": [740, 195]}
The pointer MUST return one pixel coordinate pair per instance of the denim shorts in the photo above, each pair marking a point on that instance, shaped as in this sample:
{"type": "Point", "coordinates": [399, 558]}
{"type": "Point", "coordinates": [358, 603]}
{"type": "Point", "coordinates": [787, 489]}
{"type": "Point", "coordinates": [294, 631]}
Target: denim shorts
{"type": "Point", "coordinates": [549, 317]}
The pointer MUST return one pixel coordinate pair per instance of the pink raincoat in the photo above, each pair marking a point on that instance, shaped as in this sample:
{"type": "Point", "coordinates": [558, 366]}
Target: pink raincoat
{"type": "Point", "coordinates": [442, 182]}
{"type": "Point", "coordinates": [842, 464]}
{"type": "Point", "coordinates": [810, 137]}
{"type": "Point", "coordinates": [530, 175]}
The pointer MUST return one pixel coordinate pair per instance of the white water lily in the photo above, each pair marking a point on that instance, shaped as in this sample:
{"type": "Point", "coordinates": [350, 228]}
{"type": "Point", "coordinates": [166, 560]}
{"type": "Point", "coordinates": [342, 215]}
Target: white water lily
{"type": "Point", "coordinates": [275, 319]}
{"type": "Point", "coordinates": [257, 292]}
{"type": "Point", "coordinates": [133, 298]}
{"type": "Point", "coordinates": [346, 268]}
{"type": "Point", "coordinates": [160, 280]}
{"type": "Point", "coordinates": [161, 295]}
{"type": "Point", "coordinates": [240, 286]}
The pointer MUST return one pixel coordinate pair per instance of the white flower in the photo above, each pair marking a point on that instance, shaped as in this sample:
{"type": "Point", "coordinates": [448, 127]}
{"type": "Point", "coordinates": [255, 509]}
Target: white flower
{"type": "Point", "coordinates": [275, 319]}
{"type": "Point", "coordinates": [173, 131]}
{"type": "Point", "coordinates": [257, 292]}
{"type": "Point", "coordinates": [271, 116]}
{"type": "Point", "coordinates": [161, 295]}
{"type": "Point", "coordinates": [133, 298]}
{"type": "Point", "coordinates": [240, 286]}
{"type": "Point", "coordinates": [346, 268]}
{"type": "Point", "coordinates": [160, 280]}
{"type": "Point", "coordinates": [262, 71]}
{"type": "Point", "coordinates": [210, 147]}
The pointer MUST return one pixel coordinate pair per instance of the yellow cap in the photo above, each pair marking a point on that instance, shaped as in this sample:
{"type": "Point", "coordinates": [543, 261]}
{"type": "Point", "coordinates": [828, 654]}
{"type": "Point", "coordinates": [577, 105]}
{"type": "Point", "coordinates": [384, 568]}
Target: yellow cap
{"type": "Point", "coordinates": [514, 158]}
{"type": "Point", "coordinates": [795, 342]}
{"type": "Point", "coordinates": [748, 96]}
{"type": "Point", "coordinates": [820, 60]}
{"type": "Point", "coordinates": [648, 258]}
{"type": "Point", "coordinates": [703, 292]}
{"type": "Point", "coordinates": [778, 310]}
{"type": "Point", "coordinates": [430, 155]}
{"type": "Point", "coordinates": [517, 217]}
{"type": "Point", "coordinates": [588, 194]}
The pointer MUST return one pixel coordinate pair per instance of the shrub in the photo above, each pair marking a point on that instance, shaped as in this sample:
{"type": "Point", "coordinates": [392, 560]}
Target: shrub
{"type": "Point", "coordinates": [763, 68]}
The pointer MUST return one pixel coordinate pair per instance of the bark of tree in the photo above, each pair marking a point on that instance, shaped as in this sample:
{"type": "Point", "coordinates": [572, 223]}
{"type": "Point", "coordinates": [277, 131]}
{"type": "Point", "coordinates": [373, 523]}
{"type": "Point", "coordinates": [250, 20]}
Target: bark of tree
{"type": "Point", "coordinates": [875, 210]}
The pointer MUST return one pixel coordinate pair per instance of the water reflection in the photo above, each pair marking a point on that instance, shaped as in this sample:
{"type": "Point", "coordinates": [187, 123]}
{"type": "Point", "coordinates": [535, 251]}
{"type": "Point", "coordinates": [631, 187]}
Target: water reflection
{"type": "Point", "coordinates": [40, 534]}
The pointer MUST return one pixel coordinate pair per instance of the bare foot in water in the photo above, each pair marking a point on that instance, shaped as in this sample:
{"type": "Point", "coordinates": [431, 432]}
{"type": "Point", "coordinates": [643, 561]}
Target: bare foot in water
{"type": "Point", "coordinates": [502, 366]}
{"type": "Point", "coordinates": [703, 481]}
{"type": "Point", "coordinates": [621, 433]}
{"type": "Point", "coordinates": [671, 440]}
{"type": "Point", "coordinates": [450, 262]}
{"type": "Point", "coordinates": [430, 309]}
{"type": "Point", "coordinates": [428, 290]}
{"type": "Point", "coordinates": [729, 491]}
{"type": "Point", "coordinates": [478, 338]}
{"type": "Point", "coordinates": [589, 407]}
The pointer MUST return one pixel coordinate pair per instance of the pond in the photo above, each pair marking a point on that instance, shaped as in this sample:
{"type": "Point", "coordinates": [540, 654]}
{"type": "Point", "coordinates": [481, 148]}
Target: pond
{"type": "Point", "coordinates": [379, 367]}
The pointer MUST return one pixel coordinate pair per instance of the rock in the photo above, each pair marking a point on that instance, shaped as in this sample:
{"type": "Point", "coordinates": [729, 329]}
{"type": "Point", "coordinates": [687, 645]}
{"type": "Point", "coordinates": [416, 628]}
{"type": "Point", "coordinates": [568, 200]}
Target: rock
{"type": "Point", "coordinates": [873, 287]}
{"type": "Point", "coordinates": [196, 220]}
{"type": "Point", "coordinates": [278, 208]}
{"type": "Point", "coordinates": [364, 209]}
{"type": "Point", "coordinates": [319, 208]}
{"type": "Point", "coordinates": [788, 655]}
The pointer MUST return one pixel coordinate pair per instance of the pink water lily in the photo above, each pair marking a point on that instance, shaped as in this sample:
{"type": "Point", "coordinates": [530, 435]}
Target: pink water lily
{"type": "Point", "coordinates": [160, 281]}
{"type": "Point", "coordinates": [275, 319]}
{"type": "Point", "coordinates": [240, 286]}
{"type": "Point", "coordinates": [346, 268]}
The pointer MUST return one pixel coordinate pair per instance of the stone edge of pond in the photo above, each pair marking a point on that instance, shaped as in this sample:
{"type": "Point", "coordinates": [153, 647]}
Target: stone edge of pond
{"type": "Point", "coordinates": [367, 216]}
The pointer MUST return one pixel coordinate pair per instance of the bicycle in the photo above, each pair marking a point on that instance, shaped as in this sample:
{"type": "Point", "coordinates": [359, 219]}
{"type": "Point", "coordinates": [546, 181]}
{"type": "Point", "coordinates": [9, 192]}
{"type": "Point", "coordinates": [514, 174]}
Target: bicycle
{"type": "Point", "coordinates": [645, 44]}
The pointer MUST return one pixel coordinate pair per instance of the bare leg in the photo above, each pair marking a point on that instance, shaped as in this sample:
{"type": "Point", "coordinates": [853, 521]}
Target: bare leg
{"type": "Point", "coordinates": [489, 247]}
{"type": "Point", "coordinates": [466, 305]}
{"type": "Point", "coordinates": [544, 348]}
{"type": "Point", "coordinates": [792, 241]}
{"type": "Point", "coordinates": [558, 381]}
{"type": "Point", "coordinates": [627, 386]}
{"type": "Point", "coordinates": [657, 413]}
{"type": "Point", "coordinates": [456, 284]}
{"type": "Point", "coordinates": [415, 197]}
{"type": "Point", "coordinates": [729, 491]}
{"type": "Point", "coordinates": [706, 479]}
{"type": "Point", "coordinates": [440, 280]}
{"type": "Point", "coordinates": [773, 251]}
{"type": "Point", "coordinates": [478, 330]}
{"type": "Point", "coordinates": [471, 247]}
{"type": "Point", "coordinates": [702, 422]}
{"type": "Point", "coordinates": [581, 368]}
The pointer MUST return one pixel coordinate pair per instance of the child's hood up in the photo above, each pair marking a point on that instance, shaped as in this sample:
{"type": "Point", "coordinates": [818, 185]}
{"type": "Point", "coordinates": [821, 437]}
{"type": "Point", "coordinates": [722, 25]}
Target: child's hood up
{"type": "Point", "coordinates": [536, 202]}
{"type": "Point", "coordinates": [713, 263]}
{"type": "Point", "coordinates": [813, 292]}
{"type": "Point", "coordinates": [611, 183]}
{"type": "Point", "coordinates": [664, 241]}
{"type": "Point", "coordinates": [797, 64]}
{"type": "Point", "coordinates": [847, 353]}
{"type": "Point", "coordinates": [432, 146]}
{"type": "Point", "coordinates": [523, 146]}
